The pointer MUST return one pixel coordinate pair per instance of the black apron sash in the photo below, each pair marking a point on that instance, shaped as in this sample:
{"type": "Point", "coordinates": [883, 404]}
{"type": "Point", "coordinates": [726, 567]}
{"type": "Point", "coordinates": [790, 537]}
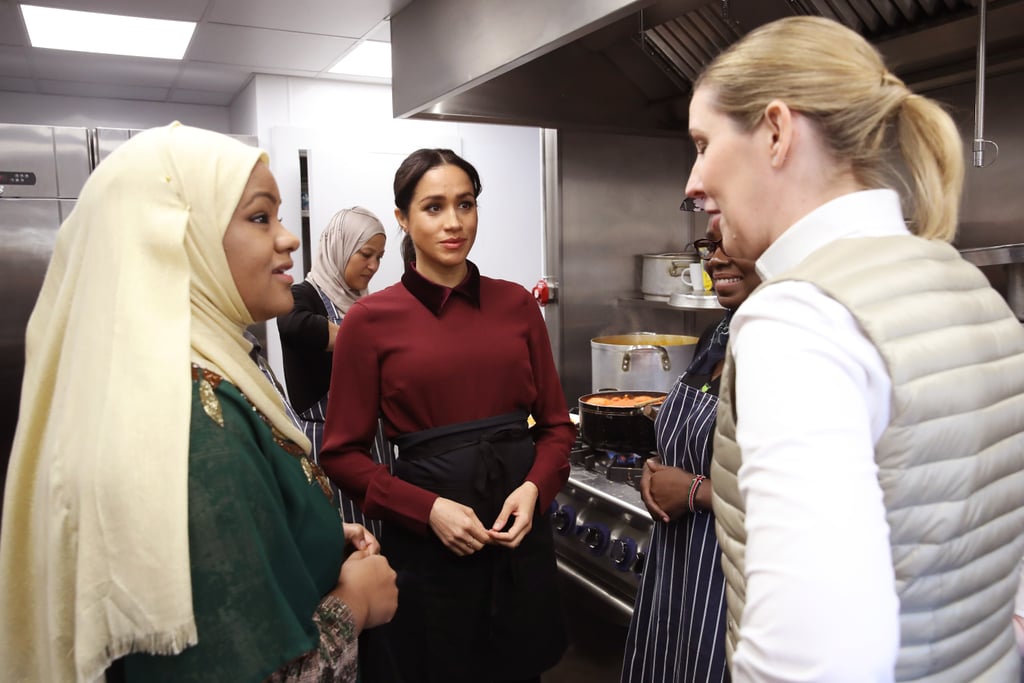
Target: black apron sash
{"type": "Point", "coordinates": [496, 614]}
{"type": "Point", "coordinates": [476, 463]}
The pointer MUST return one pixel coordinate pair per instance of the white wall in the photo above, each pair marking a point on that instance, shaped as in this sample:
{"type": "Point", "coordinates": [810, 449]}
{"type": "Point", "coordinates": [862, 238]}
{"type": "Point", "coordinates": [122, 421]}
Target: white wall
{"type": "Point", "coordinates": [355, 146]}
{"type": "Point", "coordinates": [242, 112]}
{"type": "Point", "coordinates": [59, 110]}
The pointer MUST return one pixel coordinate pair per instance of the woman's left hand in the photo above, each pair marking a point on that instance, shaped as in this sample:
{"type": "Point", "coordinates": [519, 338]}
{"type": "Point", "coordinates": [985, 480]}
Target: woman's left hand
{"type": "Point", "coordinates": [520, 505]}
{"type": "Point", "coordinates": [360, 537]}
{"type": "Point", "coordinates": [670, 488]}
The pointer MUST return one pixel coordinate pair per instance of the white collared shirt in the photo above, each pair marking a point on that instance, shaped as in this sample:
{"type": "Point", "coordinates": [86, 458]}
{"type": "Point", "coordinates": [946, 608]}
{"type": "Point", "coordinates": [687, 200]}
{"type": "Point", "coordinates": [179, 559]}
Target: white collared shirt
{"type": "Point", "coordinates": [813, 398]}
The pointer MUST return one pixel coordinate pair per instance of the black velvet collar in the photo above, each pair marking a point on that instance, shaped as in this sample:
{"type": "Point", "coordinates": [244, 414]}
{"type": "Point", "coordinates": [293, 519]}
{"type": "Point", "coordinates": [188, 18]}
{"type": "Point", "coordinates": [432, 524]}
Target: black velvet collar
{"type": "Point", "coordinates": [435, 296]}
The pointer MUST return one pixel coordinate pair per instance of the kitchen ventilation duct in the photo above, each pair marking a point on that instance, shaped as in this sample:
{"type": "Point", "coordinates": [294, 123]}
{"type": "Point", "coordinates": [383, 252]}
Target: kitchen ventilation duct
{"type": "Point", "coordinates": [686, 43]}
{"type": "Point", "coordinates": [628, 66]}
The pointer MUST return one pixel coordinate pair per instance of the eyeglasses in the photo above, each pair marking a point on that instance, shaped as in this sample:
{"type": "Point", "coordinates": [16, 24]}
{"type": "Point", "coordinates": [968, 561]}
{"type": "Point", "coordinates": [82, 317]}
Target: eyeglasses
{"type": "Point", "coordinates": [707, 248]}
{"type": "Point", "coordinates": [691, 204]}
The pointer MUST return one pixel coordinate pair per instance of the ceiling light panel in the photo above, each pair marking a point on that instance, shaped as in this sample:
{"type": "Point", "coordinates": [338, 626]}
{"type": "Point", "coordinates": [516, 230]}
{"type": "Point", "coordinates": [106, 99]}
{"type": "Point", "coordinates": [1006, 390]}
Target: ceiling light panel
{"type": "Point", "coordinates": [368, 58]}
{"type": "Point", "coordinates": [113, 34]}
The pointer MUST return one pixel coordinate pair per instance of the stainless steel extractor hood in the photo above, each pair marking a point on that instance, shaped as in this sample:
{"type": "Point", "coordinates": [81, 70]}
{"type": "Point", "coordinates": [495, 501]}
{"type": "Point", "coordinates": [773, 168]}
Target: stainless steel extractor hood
{"type": "Point", "coordinates": [627, 66]}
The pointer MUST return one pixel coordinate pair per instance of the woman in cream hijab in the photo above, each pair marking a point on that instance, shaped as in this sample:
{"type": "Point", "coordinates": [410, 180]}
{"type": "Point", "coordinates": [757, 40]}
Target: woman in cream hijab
{"type": "Point", "coordinates": [159, 500]}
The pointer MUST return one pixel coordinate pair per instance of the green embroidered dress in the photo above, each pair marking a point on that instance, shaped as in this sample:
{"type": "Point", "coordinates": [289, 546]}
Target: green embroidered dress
{"type": "Point", "coordinates": [266, 545]}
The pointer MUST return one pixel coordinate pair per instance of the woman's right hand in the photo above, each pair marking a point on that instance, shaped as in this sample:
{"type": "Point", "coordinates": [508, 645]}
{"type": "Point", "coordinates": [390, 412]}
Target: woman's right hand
{"type": "Point", "coordinates": [665, 490]}
{"type": "Point", "coordinates": [367, 585]}
{"type": "Point", "coordinates": [458, 527]}
{"type": "Point", "coordinates": [645, 490]}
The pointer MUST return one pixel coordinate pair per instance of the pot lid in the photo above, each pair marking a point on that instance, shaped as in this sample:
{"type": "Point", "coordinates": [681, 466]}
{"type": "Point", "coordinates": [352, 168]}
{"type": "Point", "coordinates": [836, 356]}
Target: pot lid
{"type": "Point", "coordinates": [636, 338]}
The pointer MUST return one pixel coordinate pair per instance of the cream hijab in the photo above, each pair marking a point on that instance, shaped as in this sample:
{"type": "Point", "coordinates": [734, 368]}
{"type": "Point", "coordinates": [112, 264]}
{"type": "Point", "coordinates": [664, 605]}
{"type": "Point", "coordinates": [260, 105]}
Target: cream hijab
{"type": "Point", "coordinates": [347, 232]}
{"type": "Point", "coordinates": [94, 555]}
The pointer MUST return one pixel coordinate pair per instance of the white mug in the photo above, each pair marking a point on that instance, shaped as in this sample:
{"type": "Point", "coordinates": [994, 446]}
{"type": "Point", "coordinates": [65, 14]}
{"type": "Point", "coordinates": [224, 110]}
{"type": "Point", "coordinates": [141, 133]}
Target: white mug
{"type": "Point", "coordinates": [693, 277]}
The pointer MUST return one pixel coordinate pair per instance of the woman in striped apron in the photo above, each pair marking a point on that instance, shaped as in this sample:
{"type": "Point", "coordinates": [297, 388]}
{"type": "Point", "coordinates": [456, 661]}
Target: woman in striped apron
{"type": "Point", "coordinates": [677, 633]}
{"type": "Point", "coordinates": [348, 256]}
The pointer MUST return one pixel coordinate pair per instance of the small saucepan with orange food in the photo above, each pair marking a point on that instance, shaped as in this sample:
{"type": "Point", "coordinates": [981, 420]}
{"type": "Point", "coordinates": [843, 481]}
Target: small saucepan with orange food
{"type": "Point", "coordinates": [619, 420]}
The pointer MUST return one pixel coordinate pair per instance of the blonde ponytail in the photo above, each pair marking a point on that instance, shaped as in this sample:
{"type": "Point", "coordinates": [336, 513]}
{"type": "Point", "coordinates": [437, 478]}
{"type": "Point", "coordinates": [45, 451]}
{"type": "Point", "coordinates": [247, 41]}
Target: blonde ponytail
{"type": "Point", "coordinates": [833, 76]}
{"type": "Point", "coordinates": [933, 152]}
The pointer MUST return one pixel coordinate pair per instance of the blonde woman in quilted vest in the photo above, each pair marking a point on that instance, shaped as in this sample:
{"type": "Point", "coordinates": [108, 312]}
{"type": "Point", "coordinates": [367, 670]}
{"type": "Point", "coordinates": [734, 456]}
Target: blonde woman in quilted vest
{"type": "Point", "coordinates": [869, 454]}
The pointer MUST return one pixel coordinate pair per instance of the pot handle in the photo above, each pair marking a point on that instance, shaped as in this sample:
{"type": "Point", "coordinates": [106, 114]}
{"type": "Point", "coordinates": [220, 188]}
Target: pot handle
{"type": "Point", "coordinates": [677, 268]}
{"type": "Point", "coordinates": [666, 363]}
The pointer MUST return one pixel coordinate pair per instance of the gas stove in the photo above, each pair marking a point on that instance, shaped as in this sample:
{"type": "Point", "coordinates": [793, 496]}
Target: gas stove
{"type": "Point", "coordinates": [601, 526]}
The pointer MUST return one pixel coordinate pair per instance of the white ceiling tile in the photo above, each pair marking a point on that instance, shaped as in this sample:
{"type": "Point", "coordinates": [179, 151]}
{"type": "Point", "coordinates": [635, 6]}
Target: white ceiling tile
{"type": "Point", "coordinates": [14, 62]}
{"type": "Point", "coordinates": [12, 26]}
{"type": "Point", "coordinates": [352, 19]}
{"type": "Point", "coordinates": [210, 97]}
{"type": "Point", "coordinates": [117, 92]}
{"type": "Point", "coordinates": [264, 48]}
{"type": "Point", "coordinates": [83, 66]}
{"type": "Point", "coordinates": [208, 76]}
{"type": "Point", "coordinates": [382, 33]}
{"type": "Point", "coordinates": [235, 38]}
{"type": "Point", "coordinates": [12, 84]}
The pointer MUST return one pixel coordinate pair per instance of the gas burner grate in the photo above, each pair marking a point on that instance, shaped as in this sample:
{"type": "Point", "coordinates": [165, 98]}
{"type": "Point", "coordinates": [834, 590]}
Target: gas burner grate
{"type": "Point", "coordinates": [619, 467]}
{"type": "Point", "coordinates": [625, 475]}
{"type": "Point", "coordinates": [626, 460]}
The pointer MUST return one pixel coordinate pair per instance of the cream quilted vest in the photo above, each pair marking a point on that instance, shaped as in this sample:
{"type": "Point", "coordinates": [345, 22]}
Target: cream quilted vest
{"type": "Point", "coordinates": [951, 461]}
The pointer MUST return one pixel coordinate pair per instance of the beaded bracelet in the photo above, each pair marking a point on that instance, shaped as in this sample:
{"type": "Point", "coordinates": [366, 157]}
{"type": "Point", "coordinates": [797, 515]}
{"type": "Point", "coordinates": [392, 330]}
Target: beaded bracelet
{"type": "Point", "coordinates": [694, 485]}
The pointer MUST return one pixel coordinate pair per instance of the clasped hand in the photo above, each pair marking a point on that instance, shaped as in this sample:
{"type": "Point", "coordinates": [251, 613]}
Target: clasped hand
{"type": "Point", "coordinates": [358, 537]}
{"type": "Point", "coordinates": [464, 534]}
{"type": "Point", "coordinates": [665, 490]}
{"type": "Point", "coordinates": [366, 582]}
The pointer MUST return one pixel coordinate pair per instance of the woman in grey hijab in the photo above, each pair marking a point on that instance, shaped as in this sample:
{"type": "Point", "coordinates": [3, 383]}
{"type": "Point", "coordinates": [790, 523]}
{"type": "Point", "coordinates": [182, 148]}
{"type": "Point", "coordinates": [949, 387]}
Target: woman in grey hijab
{"type": "Point", "coordinates": [348, 256]}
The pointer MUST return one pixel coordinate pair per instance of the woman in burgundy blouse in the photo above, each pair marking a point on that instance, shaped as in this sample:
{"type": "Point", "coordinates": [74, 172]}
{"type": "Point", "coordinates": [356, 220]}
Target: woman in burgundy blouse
{"type": "Point", "coordinates": [454, 362]}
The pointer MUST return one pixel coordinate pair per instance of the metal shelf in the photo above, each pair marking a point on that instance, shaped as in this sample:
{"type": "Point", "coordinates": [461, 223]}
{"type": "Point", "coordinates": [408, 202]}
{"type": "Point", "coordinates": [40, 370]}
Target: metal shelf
{"type": "Point", "coordinates": [693, 303]}
{"type": "Point", "coordinates": [1011, 255]}
{"type": "Point", "coordinates": [995, 256]}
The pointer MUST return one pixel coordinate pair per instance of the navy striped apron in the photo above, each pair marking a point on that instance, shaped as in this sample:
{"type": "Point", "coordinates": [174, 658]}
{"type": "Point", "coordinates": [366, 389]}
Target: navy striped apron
{"type": "Point", "coordinates": [312, 423]}
{"type": "Point", "coordinates": [677, 632]}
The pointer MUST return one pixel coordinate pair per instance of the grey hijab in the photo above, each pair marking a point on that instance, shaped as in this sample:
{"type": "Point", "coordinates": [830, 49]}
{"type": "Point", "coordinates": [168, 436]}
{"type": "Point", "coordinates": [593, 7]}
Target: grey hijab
{"type": "Point", "coordinates": [347, 231]}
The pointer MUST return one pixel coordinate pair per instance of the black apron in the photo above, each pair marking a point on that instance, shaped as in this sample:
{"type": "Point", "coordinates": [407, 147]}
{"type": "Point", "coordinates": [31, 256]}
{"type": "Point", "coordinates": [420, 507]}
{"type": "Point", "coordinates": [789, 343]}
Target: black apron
{"type": "Point", "coordinates": [491, 616]}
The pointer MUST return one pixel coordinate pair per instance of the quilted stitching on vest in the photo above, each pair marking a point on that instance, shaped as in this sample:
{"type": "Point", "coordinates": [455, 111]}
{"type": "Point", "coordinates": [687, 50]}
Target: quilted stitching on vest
{"type": "Point", "coordinates": [951, 461]}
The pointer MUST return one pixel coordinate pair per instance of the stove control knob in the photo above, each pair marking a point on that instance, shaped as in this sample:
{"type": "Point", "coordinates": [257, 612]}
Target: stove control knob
{"type": "Point", "coordinates": [564, 519]}
{"type": "Point", "coordinates": [595, 537]}
{"type": "Point", "coordinates": [623, 553]}
{"type": "Point", "coordinates": [638, 566]}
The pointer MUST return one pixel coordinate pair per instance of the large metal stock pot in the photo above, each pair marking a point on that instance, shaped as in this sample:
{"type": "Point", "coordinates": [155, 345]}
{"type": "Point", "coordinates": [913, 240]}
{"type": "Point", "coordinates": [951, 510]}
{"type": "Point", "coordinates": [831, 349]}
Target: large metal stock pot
{"type": "Point", "coordinates": [639, 361]}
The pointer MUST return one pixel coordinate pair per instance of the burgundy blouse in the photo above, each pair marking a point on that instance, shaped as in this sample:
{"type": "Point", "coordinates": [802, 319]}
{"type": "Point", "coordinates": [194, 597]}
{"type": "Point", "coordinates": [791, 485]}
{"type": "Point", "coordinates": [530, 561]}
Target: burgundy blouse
{"type": "Point", "coordinates": [427, 356]}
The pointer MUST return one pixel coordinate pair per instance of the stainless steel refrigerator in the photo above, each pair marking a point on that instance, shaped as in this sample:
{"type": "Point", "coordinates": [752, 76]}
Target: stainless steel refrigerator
{"type": "Point", "coordinates": [42, 169]}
